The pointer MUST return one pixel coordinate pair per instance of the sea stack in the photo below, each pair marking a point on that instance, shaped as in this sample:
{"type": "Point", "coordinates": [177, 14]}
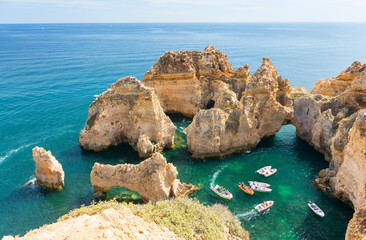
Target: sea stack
{"type": "Point", "coordinates": [127, 112]}
{"type": "Point", "coordinates": [154, 179]}
{"type": "Point", "coordinates": [48, 170]}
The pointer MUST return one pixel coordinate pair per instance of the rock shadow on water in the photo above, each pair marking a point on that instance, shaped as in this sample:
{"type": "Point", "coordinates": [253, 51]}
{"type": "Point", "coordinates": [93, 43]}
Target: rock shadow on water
{"type": "Point", "coordinates": [123, 153]}
{"type": "Point", "coordinates": [122, 194]}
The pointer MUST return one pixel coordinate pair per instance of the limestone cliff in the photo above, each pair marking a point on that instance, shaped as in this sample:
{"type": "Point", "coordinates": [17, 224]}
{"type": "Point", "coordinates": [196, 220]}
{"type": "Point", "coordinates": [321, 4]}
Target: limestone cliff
{"type": "Point", "coordinates": [186, 81]}
{"type": "Point", "coordinates": [235, 125]}
{"type": "Point", "coordinates": [335, 86]}
{"type": "Point", "coordinates": [48, 170]}
{"type": "Point", "coordinates": [127, 112]}
{"type": "Point", "coordinates": [334, 122]}
{"type": "Point", "coordinates": [153, 179]}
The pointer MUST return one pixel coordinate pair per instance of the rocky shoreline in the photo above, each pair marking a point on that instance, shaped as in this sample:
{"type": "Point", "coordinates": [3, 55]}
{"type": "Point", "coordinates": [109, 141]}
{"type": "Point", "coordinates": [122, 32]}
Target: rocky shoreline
{"type": "Point", "coordinates": [232, 111]}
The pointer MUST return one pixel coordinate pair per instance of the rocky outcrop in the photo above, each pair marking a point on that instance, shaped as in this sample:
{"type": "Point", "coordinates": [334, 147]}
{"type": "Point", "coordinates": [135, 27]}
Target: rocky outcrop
{"type": "Point", "coordinates": [111, 223]}
{"type": "Point", "coordinates": [127, 112]}
{"type": "Point", "coordinates": [334, 122]}
{"type": "Point", "coordinates": [48, 171]}
{"type": "Point", "coordinates": [335, 86]}
{"type": "Point", "coordinates": [235, 125]}
{"type": "Point", "coordinates": [187, 81]}
{"type": "Point", "coordinates": [154, 179]}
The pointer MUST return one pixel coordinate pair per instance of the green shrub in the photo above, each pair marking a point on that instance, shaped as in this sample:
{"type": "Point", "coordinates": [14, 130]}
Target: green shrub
{"type": "Point", "coordinates": [186, 217]}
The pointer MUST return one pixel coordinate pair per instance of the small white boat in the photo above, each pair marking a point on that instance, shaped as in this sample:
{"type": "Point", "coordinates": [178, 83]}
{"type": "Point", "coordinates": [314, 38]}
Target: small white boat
{"type": "Point", "coordinates": [222, 192]}
{"type": "Point", "coordinates": [264, 206]}
{"type": "Point", "coordinates": [316, 209]}
{"type": "Point", "coordinates": [263, 169]}
{"type": "Point", "coordinates": [270, 172]}
{"type": "Point", "coordinates": [260, 189]}
{"type": "Point", "coordinates": [184, 130]}
{"type": "Point", "coordinates": [259, 184]}
{"type": "Point", "coordinates": [96, 97]}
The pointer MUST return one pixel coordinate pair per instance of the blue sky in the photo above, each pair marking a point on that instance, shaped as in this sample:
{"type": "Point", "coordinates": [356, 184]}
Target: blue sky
{"type": "Point", "coordinates": [78, 11]}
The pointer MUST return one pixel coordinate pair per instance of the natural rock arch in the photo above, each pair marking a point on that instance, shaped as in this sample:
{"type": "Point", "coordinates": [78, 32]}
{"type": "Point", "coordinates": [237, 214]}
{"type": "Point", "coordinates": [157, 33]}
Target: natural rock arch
{"type": "Point", "coordinates": [154, 179]}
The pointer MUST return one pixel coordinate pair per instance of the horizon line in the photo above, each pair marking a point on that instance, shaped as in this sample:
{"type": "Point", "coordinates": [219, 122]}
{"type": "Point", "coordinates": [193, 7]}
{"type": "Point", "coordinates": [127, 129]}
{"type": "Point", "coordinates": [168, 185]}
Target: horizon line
{"type": "Point", "coordinates": [177, 22]}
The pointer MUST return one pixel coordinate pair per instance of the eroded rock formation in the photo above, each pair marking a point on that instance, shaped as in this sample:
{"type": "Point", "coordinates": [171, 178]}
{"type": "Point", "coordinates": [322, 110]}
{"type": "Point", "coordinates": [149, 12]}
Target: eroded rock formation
{"type": "Point", "coordinates": [187, 81]}
{"type": "Point", "coordinates": [335, 86]}
{"type": "Point", "coordinates": [334, 122]}
{"type": "Point", "coordinates": [235, 125]}
{"type": "Point", "coordinates": [48, 171]}
{"type": "Point", "coordinates": [154, 179]}
{"type": "Point", "coordinates": [127, 112]}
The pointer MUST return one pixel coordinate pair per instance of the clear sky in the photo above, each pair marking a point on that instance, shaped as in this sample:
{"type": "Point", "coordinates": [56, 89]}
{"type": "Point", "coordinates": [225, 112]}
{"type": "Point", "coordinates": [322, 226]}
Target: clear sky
{"type": "Point", "coordinates": [99, 11]}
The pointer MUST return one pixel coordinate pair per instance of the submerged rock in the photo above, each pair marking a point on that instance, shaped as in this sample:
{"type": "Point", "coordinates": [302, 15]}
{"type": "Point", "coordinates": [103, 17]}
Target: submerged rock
{"type": "Point", "coordinates": [48, 171]}
{"type": "Point", "coordinates": [154, 179]}
{"type": "Point", "coordinates": [127, 112]}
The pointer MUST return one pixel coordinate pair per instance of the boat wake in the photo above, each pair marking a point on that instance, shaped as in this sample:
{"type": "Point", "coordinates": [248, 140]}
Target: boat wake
{"type": "Point", "coordinates": [247, 215]}
{"type": "Point", "coordinates": [216, 174]}
{"type": "Point", "coordinates": [12, 152]}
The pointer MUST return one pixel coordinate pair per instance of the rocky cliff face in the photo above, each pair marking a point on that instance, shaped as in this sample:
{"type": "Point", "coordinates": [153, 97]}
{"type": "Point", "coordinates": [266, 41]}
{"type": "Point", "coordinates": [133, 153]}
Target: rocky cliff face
{"type": "Point", "coordinates": [235, 125]}
{"type": "Point", "coordinates": [187, 81]}
{"type": "Point", "coordinates": [48, 171]}
{"type": "Point", "coordinates": [127, 112]}
{"type": "Point", "coordinates": [335, 86]}
{"type": "Point", "coordinates": [334, 122]}
{"type": "Point", "coordinates": [153, 179]}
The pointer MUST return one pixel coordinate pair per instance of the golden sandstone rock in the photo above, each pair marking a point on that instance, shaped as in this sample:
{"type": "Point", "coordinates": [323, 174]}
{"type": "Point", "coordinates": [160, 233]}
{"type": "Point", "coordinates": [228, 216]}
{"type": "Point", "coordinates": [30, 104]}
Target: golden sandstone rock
{"type": "Point", "coordinates": [48, 170]}
{"type": "Point", "coordinates": [154, 179]}
{"type": "Point", "coordinates": [334, 122]}
{"type": "Point", "coordinates": [127, 112]}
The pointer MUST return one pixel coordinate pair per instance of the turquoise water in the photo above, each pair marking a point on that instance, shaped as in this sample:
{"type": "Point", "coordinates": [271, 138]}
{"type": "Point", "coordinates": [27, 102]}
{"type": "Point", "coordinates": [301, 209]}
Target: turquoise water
{"type": "Point", "coordinates": [50, 72]}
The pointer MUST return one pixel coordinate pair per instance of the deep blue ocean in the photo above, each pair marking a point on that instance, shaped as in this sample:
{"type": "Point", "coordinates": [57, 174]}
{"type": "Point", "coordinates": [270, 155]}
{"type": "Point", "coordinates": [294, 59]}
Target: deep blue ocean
{"type": "Point", "coordinates": [50, 72]}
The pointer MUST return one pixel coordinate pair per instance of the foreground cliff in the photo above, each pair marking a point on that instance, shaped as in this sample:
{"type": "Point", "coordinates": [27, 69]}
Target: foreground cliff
{"type": "Point", "coordinates": [172, 219]}
{"type": "Point", "coordinates": [127, 112]}
{"type": "Point", "coordinates": [154, 179]}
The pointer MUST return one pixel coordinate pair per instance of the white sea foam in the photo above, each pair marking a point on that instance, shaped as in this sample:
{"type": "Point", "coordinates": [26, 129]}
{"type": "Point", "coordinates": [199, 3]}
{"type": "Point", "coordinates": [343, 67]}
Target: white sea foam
{"type": "Point", "coordinates": [215, 176]}
{"type": "Point", "coordinates": [247, 215]}
{"type": "Point", "coordinates": [13, 151]}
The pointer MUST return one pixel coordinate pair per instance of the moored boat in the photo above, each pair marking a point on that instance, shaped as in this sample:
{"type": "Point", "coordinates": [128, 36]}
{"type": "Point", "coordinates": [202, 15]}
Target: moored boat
{"type": "Point", "coordinates": [316, 209]}
{"type": "Point", "coordinates": [245, 188]}
{"type": "Point", "coordinates": [270, 172]}
{"type": "Point", "coordinates": [263, 169]}
{"type": "Point", "coordinates": [264, 206]}
{"type": "Point", "coordinates": [261, 189]}
{"type": "Point", "coordinates": [222, 192]}
{"type": "Point", "coordinates": [259, 184]}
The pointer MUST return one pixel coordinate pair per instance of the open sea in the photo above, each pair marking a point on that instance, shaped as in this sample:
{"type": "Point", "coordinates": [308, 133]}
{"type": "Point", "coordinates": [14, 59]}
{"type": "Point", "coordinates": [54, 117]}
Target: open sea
{"type": "Point", "coordinates": [50, 72]}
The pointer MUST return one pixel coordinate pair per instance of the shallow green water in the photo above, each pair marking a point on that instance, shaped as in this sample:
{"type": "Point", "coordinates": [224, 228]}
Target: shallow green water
{"type": "Point", "coordinates": [293, 186]}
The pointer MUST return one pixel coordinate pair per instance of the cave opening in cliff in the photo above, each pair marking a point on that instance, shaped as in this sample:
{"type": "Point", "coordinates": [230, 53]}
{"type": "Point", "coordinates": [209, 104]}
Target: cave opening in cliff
{"type": "Point", "coordinates": [210, 104]}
